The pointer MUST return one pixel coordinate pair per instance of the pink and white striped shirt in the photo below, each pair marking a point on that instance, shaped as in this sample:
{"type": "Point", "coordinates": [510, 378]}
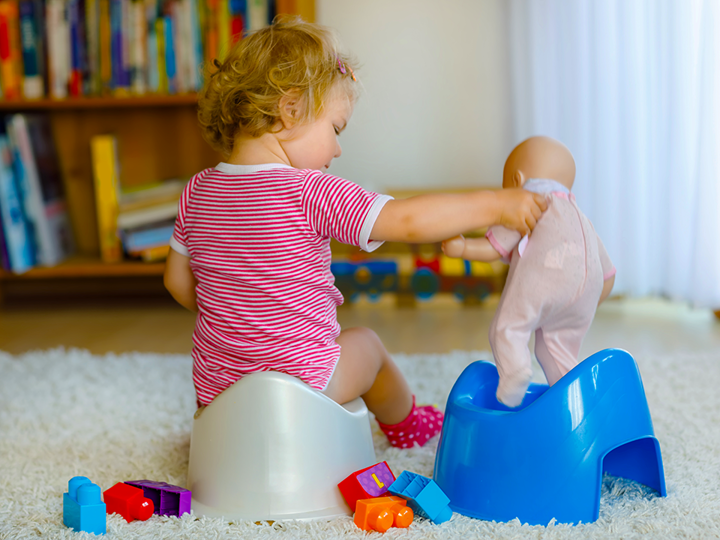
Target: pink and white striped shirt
{"type": "Point", "coordinates": [258, 238]}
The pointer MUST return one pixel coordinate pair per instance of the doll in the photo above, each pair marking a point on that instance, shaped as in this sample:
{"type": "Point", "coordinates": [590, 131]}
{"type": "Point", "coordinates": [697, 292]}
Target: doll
{"type": "Point", "coordinates": [557, 277]}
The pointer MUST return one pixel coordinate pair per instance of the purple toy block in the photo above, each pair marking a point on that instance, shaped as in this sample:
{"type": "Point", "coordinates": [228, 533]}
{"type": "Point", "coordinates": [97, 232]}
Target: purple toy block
{"type": "Point", "coordinates": [169, 500]}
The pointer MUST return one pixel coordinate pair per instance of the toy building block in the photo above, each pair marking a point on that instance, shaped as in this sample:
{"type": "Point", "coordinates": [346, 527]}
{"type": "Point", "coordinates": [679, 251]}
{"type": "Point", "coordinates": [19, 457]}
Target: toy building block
{"type": "Point", "coordinates": [366, 483]}
{"type": "Point", "coordinates": [83, 510]}
{"type": "Point", "coordinates": [168, 500]}
{"type": "Point", "coordinates": [129, 502]}
{"type": "Point", "coordinates": [381, 513]}
{"type": "Point", "coordinates": [424, 496]}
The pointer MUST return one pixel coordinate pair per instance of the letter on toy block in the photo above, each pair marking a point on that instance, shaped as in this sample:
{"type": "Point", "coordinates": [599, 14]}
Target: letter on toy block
{"type": "Point", "coordinates": [83, 510]}
{"type": "Point", "coordinates": [169, 500]}
{"type": "Point", "coordinates": [129, 502]}
{"type": "Point", "coordinates": [366, 483]}
{"type": "Point", "coordinates": [381, 513]}
{"type": "Point", "coordinates": [424, 496]}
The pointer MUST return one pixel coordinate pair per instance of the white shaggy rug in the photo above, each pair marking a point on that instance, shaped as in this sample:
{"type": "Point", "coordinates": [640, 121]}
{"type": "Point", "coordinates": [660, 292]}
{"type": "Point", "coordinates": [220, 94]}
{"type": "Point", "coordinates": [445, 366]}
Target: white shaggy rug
{"type": "Point", "coordinates": [113, 418]}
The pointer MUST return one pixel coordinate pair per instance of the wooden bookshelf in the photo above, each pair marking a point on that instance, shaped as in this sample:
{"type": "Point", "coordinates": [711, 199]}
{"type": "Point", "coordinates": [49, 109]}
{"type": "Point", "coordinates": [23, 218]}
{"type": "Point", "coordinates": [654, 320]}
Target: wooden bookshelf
{"type": "Point", "coordinates": [158, 138]}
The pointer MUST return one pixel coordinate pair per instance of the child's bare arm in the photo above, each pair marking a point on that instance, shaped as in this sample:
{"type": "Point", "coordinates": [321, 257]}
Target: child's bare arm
{"type": "Point", "coordinates": [470, 249]}
{"type": "Point", "coordinates": [432, 218]}
{"type": "Point", "coordinates": [180, 281]}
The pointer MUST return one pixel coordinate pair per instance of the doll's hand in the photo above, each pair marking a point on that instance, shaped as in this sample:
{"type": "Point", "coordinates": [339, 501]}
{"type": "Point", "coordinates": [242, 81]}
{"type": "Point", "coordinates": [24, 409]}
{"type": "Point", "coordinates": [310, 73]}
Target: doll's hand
{"type": "Point", "coordinates": [454, 247]}
{"type": "Point", "coordinates": [519, 209]}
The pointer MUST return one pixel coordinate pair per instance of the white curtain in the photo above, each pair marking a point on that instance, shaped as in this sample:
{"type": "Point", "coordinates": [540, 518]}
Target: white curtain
{"type": "Point", "coordinates": [632, 87]}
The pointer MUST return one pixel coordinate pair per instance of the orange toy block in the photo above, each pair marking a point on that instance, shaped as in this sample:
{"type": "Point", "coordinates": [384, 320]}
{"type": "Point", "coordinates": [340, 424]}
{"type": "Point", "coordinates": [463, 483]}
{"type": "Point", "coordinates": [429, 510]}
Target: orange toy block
{"type": "Point", "coordinates": [381, 513]}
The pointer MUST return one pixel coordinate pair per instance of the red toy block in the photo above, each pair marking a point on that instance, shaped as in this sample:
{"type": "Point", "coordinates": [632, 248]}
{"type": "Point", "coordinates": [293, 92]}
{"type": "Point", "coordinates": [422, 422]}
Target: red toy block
{"type": "Point", "coordinates": [381, 513]}
{"type": "Point", "coordinates": [366, 483]}
{"type": "Point", "coordinates": [129, 502]}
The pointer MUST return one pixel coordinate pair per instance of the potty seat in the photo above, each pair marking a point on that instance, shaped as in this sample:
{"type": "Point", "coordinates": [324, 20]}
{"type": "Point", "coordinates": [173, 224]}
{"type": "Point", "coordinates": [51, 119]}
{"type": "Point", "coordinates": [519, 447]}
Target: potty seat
{"type": "Point", "coordinates": [545, 459]}
{"type": "Point", "coordinates": [270, 447]}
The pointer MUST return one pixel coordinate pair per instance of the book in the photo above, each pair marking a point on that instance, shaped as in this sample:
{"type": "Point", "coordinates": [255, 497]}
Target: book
{"type": "Point", "coordinates": [4, 256]}
{"type": "Point", "coordinates": [44, 199]}
{"type": "Point", "coordinates": [155, 254]}
{"type": "Point", "coordinates": [257, 14]}
{"type": "Point", "coordinates": [10, 58]}
{"type": "Point", "coordinates": [31, 35]}
{"type": "Point", "coordinates": [58, 39]}
{"type": "Point", "coordinates": [144, 216]}
{"type": "Point", "coordinates": [151, 194]}
{"type": "Point", "coordinates": [103, 149]}
{"type": "Point", "coordinates": [18, 246]}
{"type": "Point", "coordinates": [151, 236]}
{"type": "Point", "coordinates": [92, 35]}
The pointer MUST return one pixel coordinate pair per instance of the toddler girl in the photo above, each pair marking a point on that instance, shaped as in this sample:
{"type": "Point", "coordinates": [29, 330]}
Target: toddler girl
{"type": "Point", "coordinates": [251, 247]}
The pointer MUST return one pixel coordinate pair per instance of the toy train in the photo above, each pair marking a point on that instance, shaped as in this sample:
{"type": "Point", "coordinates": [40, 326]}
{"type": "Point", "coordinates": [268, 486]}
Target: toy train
{"type": "Point", "coordinates": [420, 274]}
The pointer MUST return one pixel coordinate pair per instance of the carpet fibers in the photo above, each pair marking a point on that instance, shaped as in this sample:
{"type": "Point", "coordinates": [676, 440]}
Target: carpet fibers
{"type": "Point", "coordinates": [120, 417]}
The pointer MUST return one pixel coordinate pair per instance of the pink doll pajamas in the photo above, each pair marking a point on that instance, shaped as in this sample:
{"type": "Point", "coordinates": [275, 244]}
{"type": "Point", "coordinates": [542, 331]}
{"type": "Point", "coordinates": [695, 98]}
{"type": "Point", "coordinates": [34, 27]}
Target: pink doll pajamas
{"type": "Point", "coordinates": [553, 288]}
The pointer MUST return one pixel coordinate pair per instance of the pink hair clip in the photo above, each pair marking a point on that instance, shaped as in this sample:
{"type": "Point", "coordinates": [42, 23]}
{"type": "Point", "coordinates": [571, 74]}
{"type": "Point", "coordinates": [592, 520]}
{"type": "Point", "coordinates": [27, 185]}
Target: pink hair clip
{"type": "Point", "coordinates": [343, 70]}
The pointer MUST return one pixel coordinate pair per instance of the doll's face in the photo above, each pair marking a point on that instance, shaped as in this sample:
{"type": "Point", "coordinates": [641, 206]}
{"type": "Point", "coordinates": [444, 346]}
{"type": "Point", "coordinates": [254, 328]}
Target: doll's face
{"type": "Point", "coordinates": [539, 157]}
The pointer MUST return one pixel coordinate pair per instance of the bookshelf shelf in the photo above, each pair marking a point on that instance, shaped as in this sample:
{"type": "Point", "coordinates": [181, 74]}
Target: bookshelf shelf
{"type": "Point", "coordinates": [88, 266]}
{"type": "Point", "coordinates": [109, 102]}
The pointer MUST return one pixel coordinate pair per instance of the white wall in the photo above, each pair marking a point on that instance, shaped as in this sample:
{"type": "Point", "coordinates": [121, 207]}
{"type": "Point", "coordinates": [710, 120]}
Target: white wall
{"type": "Point", "coordinates": [435, 111]}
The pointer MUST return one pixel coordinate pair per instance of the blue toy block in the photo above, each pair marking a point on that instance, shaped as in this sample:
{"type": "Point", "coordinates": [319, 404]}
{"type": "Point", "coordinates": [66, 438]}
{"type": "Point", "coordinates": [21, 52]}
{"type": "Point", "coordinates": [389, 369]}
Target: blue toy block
{"type": "Point", "coordinates": [545, 459]}
{"type": "Point", "coordinates": [83, 509]}
{"type": "Point", "coordinates": [423, 495]}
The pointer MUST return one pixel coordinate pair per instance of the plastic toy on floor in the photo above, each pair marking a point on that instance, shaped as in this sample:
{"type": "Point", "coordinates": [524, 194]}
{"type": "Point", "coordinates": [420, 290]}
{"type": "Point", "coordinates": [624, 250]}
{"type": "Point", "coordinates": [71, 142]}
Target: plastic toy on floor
{"type": "Point", "coordinates": [168, 500]}
{"type": "Point", "coordinates": [83, 509]}
{"type": "Point", "coordinates": [270, 447]}
{"type": "Point", "coordinates": [128, 501]}
{"type": "Point", "coordinates": [545, 459]}
{"type": "Point", "coordinates": [423, 496]}
{"type": "Point", "coordinates": [366, 483]}
{"type": "Point", "coordinates": [381, 513]}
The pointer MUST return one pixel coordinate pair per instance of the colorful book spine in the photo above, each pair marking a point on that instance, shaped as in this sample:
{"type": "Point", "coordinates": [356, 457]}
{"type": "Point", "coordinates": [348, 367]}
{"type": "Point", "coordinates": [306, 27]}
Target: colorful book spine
{"type": "Point", "coordinates": [161, 69]}
{"type": "Point", "coordinates": [10, 57]}
{"type": "Point", "coordinates": [238, 24]}
{"type": "Point", "coordinates": [257, 11]}
{"type": "Point", "coordinates": [153, 77]}
{"type": "Point", "coordinates": [42, 190]}
{"type": "Point", "coordinates": [16, 236]}
{"type": "Point", "coordinates": [139, 47]}
{"type": "Point", "coordinates": [92, 34]}
{"type": "Point", "coordinates": [170, 66]}
{"type": "Point", "coordinates": [31, 36]}
{"type": "Point", "coordinates": [58, 38]}
{"type": "Point", "coordinates": [223, 23]}
{"type": "Point", "coordinates": [105, 175]}
{"type": "Point", "coordinates": [105, 46]}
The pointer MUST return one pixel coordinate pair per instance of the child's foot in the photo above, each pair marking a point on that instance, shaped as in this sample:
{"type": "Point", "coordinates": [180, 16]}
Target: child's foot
{"type": "Point", "coordinates": [421, 424]}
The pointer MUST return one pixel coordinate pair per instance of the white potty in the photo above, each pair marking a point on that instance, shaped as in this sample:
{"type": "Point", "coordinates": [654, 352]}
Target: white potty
{"type": "Point", "coordinates": [270, 447]}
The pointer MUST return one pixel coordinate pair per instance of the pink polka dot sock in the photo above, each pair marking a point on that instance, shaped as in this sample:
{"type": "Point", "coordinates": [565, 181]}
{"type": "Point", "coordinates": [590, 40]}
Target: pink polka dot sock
{"type": "Point", "coordinates": [421, 424]}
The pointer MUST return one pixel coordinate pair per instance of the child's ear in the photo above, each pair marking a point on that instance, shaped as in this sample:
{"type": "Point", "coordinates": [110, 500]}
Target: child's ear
{"type": "Point", "coordinates": [289, 107]}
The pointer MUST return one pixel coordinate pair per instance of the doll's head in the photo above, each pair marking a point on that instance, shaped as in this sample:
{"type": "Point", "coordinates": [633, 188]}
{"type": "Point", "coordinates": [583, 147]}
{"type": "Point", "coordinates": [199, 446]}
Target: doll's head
{"type": "Point", "coordinates": [291, 60]}
{"type": "Point", "coordinates": [539, 157]}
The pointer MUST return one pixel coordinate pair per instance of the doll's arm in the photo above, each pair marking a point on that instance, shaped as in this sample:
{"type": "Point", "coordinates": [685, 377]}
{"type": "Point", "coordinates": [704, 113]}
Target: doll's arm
{"type": "Point", "coordinates": [180, 281]}
{"type": "Point", "coordinates": [607, 288]}
{"type": "Point", "coordinates": [470, 249]}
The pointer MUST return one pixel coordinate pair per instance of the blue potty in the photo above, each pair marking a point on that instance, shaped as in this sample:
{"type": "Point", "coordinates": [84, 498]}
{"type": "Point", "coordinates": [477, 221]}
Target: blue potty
{"type": "Point", "coordinates": [545, 459]}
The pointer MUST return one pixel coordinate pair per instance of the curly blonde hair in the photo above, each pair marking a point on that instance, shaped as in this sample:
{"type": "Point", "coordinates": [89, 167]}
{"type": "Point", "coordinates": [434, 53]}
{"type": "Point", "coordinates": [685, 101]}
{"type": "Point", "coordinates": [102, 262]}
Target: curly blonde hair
{"type": "Point", "coordinates": [288, 57]}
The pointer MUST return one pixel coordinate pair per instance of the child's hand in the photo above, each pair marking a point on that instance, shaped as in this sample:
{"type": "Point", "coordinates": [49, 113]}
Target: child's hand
{"type": "Point", "coordinates": [519, 209]}
{"type": "Point", "coordinates": [454, 247]}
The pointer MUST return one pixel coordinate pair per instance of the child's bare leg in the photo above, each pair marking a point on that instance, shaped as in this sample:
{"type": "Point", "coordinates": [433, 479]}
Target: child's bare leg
{"type": "Point", "coordinates": [366, 370]}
